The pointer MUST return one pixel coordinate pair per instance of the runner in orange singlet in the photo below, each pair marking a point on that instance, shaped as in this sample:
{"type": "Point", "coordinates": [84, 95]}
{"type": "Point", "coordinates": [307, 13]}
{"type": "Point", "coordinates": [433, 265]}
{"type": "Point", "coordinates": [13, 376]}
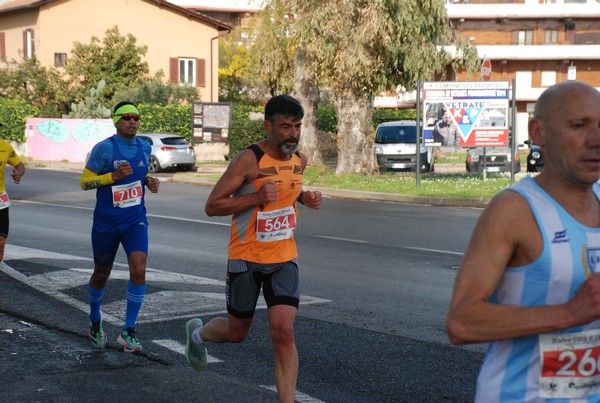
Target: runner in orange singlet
{"type": "Point", "coordinates": [261, 188]}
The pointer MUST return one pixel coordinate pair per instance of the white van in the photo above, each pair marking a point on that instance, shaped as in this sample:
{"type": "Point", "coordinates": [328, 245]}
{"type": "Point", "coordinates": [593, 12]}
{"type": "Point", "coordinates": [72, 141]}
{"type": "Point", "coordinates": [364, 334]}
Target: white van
{"type": "Point", "coordinates": [396, 148]}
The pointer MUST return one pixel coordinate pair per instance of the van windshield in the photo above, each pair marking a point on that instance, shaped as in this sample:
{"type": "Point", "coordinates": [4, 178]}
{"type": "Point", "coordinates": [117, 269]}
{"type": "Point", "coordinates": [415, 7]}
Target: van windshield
{"type": "Point", "coordinates": [396, 134]}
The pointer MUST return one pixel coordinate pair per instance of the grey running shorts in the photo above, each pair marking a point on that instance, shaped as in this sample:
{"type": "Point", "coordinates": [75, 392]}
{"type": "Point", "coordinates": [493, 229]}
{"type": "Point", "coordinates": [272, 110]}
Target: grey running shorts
{"type": "Point", "coordinates": [279, 282]}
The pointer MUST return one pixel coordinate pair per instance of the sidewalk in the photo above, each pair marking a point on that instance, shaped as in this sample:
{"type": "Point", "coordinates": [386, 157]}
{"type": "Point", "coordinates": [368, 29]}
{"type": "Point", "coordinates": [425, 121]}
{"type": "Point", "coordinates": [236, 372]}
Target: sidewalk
{"type": "Point", "coordinates": [205, 175]}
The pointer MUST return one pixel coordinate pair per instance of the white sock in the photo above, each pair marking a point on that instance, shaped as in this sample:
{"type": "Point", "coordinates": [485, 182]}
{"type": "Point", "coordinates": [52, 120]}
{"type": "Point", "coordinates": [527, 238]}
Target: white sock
{"type": "Point", "coordinates": [196, 335]}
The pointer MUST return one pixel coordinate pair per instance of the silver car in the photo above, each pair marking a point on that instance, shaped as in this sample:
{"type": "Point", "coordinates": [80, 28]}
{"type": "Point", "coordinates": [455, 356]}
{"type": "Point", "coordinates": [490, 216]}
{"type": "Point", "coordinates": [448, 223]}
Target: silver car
{"type": "Point", "coordinates": [169, 151]}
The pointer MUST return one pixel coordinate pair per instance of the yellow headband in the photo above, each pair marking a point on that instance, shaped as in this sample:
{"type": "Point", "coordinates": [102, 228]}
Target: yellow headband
{"type": "Point", "coordinates": [125, 109]}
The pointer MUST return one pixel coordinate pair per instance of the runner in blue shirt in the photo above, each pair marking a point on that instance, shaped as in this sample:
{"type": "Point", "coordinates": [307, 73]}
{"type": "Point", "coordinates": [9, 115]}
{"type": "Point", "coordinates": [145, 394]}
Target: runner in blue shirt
{"type": "Point", "coordinates": [118, 169]}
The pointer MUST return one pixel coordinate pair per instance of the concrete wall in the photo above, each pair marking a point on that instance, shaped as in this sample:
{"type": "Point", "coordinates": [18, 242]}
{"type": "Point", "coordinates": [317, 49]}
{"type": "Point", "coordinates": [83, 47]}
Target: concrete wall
{"type": "Point", "coordinates": [211, 151]}
{"type": "Point", "coordinates": [64, 139]}
{"type": "Point", "coordinates": [70, 140]}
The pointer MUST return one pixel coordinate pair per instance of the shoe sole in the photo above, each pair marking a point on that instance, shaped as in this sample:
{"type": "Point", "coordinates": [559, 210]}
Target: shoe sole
{"type": "Point", "coordinates": [188, 342]}
{"type": "Point", "coordinates": [124, 344]}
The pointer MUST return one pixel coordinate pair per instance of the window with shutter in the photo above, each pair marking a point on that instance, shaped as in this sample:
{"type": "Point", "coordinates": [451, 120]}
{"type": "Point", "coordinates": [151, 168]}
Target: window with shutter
{"type": "Point", "coordinates": [2, 46]}
{"type": "Point", "coordinates": [187, 71]}
{"type": "Point", "coordinates": [174, 70]}
{"type": "Point", "coordinates": [200, 73]}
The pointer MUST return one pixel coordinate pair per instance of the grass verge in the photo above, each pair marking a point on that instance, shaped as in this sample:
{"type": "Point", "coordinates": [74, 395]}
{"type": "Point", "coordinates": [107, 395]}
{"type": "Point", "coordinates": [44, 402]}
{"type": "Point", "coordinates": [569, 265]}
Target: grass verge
{"type": "Point", "coordinates": [432, 185]}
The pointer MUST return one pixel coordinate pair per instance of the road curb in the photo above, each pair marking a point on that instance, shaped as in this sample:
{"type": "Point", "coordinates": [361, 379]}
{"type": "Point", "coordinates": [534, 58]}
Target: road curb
{"type": "Point", "coordinates": [399, 198]}
{"type": "Point", "coordinates": [361, 195]}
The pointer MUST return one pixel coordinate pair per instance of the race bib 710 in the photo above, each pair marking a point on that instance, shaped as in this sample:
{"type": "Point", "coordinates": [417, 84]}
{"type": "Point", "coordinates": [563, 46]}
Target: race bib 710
{"type": "Point", "coordinates": [127, 195]}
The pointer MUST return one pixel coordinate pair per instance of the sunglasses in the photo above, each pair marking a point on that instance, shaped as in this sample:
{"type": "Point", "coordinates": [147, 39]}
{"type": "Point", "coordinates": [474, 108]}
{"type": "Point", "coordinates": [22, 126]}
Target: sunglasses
{"type": "Point", "coordinates": [128, 116]}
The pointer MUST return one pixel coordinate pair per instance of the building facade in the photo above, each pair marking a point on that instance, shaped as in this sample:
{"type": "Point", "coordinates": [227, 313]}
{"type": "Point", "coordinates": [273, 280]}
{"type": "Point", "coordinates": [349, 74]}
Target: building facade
{"type": "Point", "coordinates": [536, 43]}
{"type": "Point", "coordinates": [181, 42]}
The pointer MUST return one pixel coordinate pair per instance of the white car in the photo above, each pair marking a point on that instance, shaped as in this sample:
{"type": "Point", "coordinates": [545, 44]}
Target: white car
{"type": "Point", "coordinates": [396, 148]}
{"type": "Point", "coordinates": [169, 151]}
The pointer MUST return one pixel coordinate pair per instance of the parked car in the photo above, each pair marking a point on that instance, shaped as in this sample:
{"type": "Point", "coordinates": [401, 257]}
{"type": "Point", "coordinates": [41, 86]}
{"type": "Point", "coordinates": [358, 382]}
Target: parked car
{"type": "Point", "coordinates": [535, 159]}
{"type": "Point", "coordinates": [169, 151]}
{"type": "Point", "coordinates": [497, 159]}
{"type": "Point", "coordinates": [396, 147]}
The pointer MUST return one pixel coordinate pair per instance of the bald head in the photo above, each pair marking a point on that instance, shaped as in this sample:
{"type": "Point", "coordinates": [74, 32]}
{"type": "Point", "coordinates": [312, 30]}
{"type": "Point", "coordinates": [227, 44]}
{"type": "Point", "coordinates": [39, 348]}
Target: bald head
{"type": "Point", "coordinates": [555, 98]}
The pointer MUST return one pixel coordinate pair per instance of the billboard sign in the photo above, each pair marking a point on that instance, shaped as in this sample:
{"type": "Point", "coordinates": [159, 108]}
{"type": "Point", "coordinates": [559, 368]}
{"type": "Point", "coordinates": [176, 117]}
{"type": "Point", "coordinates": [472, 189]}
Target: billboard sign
{"type": "Point", "coordinates": [210, 122]}
{"type": "Point", "coordinates": [466, 114]}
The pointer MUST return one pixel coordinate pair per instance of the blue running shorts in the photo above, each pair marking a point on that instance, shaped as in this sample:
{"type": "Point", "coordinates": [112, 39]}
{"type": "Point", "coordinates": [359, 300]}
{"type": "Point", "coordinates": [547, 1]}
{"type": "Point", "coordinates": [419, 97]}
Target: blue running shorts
{"type": "Point", "coordinates": [106, 244]}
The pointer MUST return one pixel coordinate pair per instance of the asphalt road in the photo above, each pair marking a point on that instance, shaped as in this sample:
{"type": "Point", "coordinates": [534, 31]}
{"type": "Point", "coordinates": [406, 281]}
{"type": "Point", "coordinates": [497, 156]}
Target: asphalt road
{"type": "Point", "coordinates": [376, 279]}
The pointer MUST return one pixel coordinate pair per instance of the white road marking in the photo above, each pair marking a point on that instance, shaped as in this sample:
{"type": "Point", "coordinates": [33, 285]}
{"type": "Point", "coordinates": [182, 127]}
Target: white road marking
{"type": "Point", "coordinates": [225, 224]}
{"type": "Point", "coordinates": [341, 239]}
{"type": "Point", "coordinates": [177, 347]}
{"type": "Point", "coordinates": [41, 284]}
{"type": "Point", "coordinates": [300, 397]}
{"type": "Point", "coordinates": [149, 215]}
{"type": "Point", "coordinates": [406, 247]}
{"type": "Point", "coordinates": [51, 204]}
{"type": "Point", "coordinates": [436, 250]}
{"type": "Point", "coordinates": [180, 348]}
{"type": "Point", "coordinates": [159, 306]}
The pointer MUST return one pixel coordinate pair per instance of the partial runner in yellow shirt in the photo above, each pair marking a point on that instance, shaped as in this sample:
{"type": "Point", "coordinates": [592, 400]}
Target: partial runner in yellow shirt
{"type": "Point", "coordinates": [8, 156]}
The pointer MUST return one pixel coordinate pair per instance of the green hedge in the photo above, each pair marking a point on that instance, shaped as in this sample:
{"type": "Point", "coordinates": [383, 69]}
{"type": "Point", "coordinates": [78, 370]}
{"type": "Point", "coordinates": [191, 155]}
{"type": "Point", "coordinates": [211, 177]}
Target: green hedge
{"type": "Point", "coordinates": [385, 115]}
{"type": "Point", "coordinates": [327, 119]}
{"type": "Point", "coordinates": [14, 114]}
{"type": "Point", "coordinates": [242, 133]}
{"type": "Point", "coordinates": [177, 119]}
{"type": "Point", "coordinates": [166, 119]}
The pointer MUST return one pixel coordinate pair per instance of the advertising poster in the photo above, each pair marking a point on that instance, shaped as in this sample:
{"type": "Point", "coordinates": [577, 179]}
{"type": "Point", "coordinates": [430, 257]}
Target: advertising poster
{"type": "Point", "coordinates": [466, 114]}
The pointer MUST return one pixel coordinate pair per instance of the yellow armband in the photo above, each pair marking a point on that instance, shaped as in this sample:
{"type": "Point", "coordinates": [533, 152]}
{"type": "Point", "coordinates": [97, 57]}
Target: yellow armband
{"type": "Point", "coordinates": [91, 180]}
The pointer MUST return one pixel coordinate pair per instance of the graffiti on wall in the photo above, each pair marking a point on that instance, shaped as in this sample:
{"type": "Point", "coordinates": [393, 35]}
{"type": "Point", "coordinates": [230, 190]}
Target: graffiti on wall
{"type": "Point", "coordinates": [65, 139]}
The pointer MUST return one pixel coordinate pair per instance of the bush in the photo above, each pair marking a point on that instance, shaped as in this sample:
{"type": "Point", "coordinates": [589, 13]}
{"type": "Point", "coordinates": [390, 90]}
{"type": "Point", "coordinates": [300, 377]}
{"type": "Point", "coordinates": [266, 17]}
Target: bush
{"type": "Point", "coordinates": [166, 119]}
{"type": "Point", "coordinates": [14, 114]}
{"type": "Point", "coordinates": [243, 111]}
{"type": "Point", "coordinates": [243, 132]}
{"type": "Point", "coordinates": [327, 119]}
{"type": "Point", "coordinates": [385, 115]}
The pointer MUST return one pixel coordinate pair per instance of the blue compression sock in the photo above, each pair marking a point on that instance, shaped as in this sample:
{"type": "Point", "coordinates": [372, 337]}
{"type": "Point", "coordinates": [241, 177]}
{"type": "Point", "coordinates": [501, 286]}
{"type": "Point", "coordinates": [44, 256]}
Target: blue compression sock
{"type": "Point", "coordinates": [95, 302]}
{"type": "Point", "coordinates": [135, 297]}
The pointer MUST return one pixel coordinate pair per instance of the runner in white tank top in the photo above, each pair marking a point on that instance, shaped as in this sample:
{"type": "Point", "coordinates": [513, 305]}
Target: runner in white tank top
{"type": "Point", "coordinates": [528, 282]}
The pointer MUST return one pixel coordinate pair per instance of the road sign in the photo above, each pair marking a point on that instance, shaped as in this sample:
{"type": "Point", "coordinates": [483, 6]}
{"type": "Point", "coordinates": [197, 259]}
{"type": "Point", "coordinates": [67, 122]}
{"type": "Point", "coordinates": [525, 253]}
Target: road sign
{"type": "Point", "coordinates": [486, 70]}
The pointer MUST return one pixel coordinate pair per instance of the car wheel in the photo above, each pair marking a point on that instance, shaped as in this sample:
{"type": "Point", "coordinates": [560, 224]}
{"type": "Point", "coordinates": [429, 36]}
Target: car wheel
{"type": "Point", "coordinates": [153, 166]}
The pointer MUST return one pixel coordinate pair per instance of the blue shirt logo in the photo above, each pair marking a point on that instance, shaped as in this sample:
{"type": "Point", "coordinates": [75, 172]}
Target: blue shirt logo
{"type": "Point", "coordinates": [560, 237]}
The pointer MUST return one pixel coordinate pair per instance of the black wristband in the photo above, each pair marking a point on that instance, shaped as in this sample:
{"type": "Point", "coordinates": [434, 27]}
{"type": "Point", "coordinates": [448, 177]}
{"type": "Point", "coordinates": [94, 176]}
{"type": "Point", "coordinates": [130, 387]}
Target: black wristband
{"type": "Point", "coordinates": [299, 199]}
